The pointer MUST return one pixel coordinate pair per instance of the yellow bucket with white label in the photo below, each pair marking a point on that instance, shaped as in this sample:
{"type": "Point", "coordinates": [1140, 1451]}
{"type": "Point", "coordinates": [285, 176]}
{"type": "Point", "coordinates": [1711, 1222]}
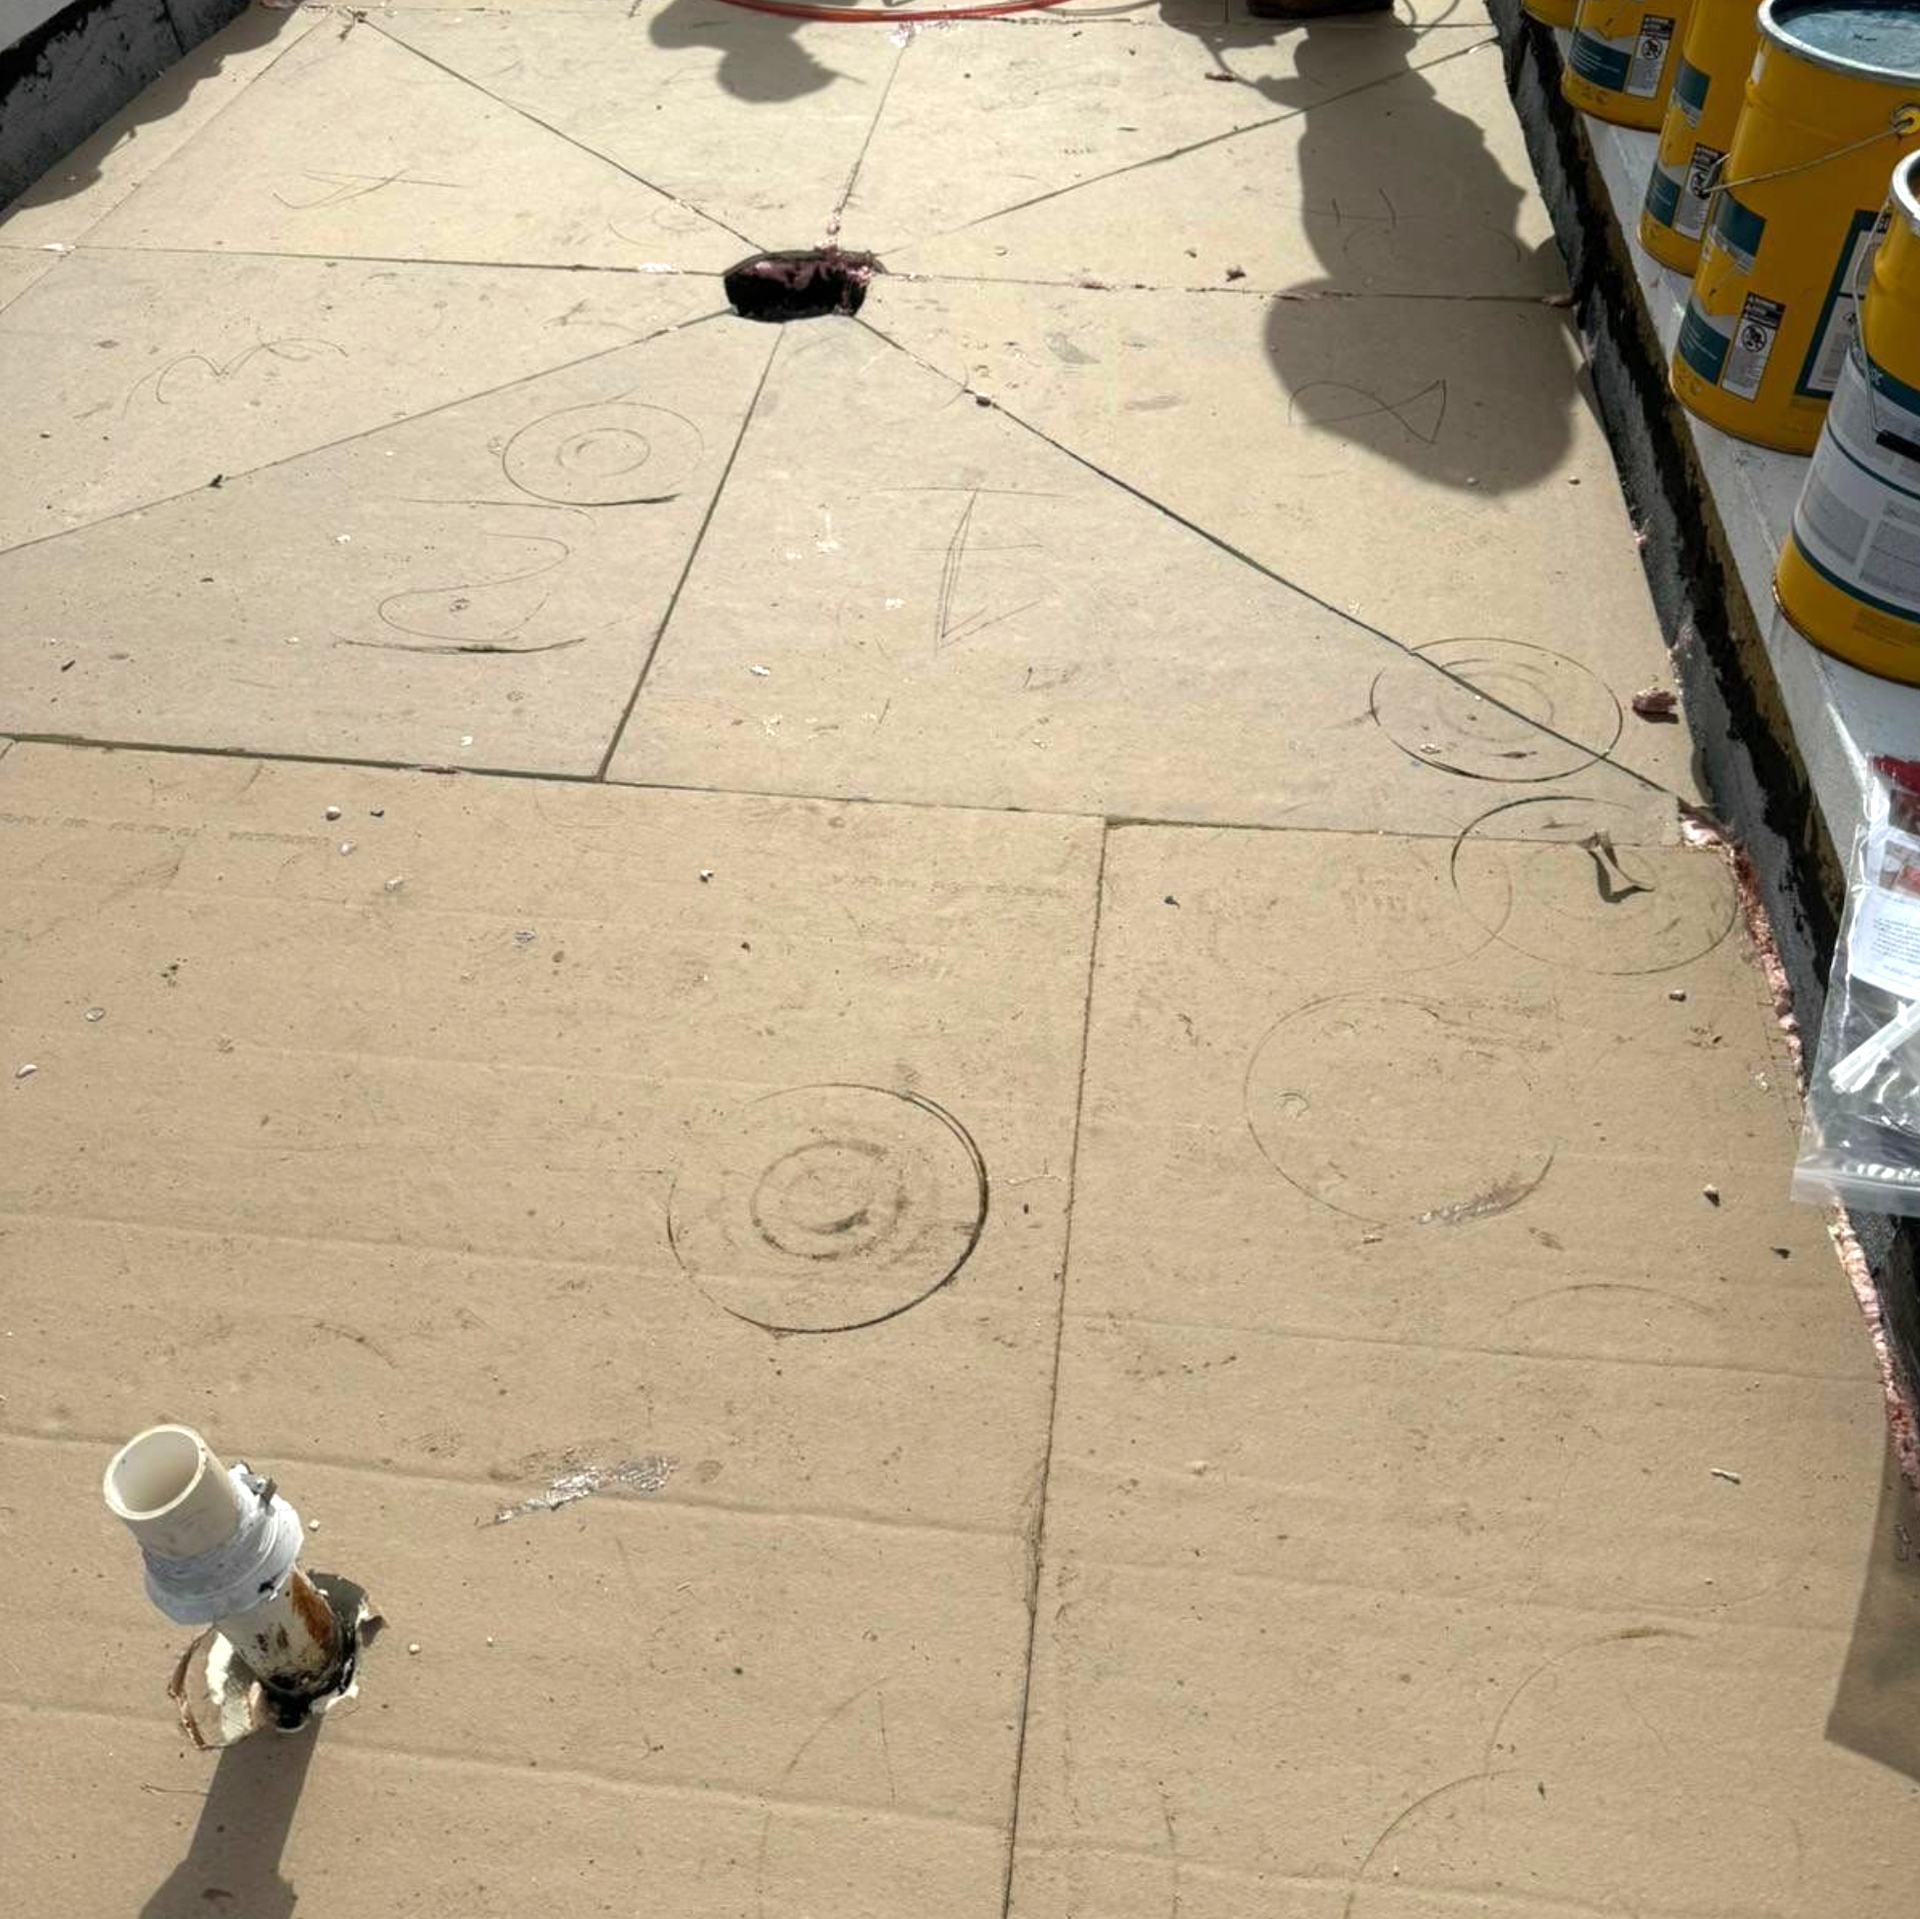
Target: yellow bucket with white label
{"type": "Point", "coordinates": [1849, 573]}
{"type": "Point", "coordinates": [1552, 13]}
{"type": "Point", "coordinates": [1703, 108]}
{"type": "Point", "coordinates": [1833, 101]}
{"type": "Point", "coordinates": [1623, 58]}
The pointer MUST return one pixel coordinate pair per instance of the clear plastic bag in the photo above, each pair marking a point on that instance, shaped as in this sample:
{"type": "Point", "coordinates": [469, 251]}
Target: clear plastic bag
{"type": "Point", "coordinates": [1861, 1142]}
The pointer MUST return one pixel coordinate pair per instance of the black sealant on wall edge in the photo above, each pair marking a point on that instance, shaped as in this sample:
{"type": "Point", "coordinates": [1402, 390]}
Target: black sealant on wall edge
{"type": "Point", "coordinates": [66, 77]}
{"type": "Point", "coordinates": [1748, 759]}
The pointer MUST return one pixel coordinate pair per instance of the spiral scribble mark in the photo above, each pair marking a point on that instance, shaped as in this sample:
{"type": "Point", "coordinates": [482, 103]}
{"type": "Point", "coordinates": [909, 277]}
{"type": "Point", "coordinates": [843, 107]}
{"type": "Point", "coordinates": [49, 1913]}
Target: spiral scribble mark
{"type": "Point", "coordinates": [611, 453]}
{"type": "Point", "coordinates": [823, 1209]}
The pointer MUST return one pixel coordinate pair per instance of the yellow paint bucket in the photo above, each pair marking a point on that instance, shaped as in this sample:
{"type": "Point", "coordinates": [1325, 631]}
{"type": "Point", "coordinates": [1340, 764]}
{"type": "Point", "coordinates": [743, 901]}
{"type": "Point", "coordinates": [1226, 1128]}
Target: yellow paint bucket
{"type": "Point", "coordinates": [1623, 57]}
{"type": "Point", "coordinates": [1552, 13]}
{"type": "Point", "coordinates": [1849, 573]}
{"type": "Point", "coordinates": [1703, 107]}
{"type": "Point", "coordinates": [1833, 100]}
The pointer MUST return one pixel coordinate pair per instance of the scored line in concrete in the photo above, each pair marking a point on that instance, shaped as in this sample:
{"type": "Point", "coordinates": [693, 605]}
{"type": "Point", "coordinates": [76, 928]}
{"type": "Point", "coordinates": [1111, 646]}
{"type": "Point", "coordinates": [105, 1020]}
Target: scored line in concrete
{"type": "Point", "coordinates": [1037, 1523]}
{"type": "Point", "coordinates": [873, 127]}
{"type": "Point", "coordinates": [693, 553]}
{"type": "Point", "coordinates": [1198, 146]}
{"type": "Point", "coordinates": [1350, 620]}
{"type": "Point", "coordinates": [370, 432]}
{"type": "Point", "coordinates": [533, 119]}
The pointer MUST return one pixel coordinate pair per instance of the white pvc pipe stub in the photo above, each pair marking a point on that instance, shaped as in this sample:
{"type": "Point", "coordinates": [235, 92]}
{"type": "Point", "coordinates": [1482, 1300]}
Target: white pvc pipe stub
{"type": "Point", "coordinates": [216, 1542]}
{"type": "Point", "coordinates": [221, 1550]}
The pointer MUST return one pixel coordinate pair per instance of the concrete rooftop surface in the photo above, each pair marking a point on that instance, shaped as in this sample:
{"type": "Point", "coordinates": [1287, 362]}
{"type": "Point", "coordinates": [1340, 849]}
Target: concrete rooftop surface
{"type": "Point", "coordinates": [953, 1082]}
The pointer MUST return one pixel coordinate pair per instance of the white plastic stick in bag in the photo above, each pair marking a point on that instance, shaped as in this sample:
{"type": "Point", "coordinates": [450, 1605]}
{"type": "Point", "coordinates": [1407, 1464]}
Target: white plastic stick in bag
{"type": "Point", "coordinates": [1859, 1066]}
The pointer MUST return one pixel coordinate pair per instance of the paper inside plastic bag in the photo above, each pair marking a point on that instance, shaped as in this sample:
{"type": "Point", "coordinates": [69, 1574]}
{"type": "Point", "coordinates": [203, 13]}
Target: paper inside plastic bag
{"type": "Point", "coordinates": [1861, 1141]}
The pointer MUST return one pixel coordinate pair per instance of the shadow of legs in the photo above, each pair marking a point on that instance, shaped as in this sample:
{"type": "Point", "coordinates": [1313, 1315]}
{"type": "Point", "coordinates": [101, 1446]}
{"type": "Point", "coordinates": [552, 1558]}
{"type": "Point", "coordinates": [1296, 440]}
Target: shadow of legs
{"type": "Point", "coordinates": [1876, 1711]}
{"type": "Point", "coordinates": [233, 1865]}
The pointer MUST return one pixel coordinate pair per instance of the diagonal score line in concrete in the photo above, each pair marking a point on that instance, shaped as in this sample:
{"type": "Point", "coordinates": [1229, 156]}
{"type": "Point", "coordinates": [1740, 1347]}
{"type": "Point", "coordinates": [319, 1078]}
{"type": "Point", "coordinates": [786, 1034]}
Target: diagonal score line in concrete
{"type": "Point", "coordinates": [27, 286]}
{"type": "Point", "coordinates": [1240, 290]}
{"type": "Point", "coordinates": [873, 127]}
{"type": "Point", "coordinates": [561, 776]}
{"type": "Point", "coordinates": [905, 247]}
{"type": "Point", "coordinates": [693, 553]}
{"type": "Point", "coordinates": [370, 432]}
{"type": "Point", "coordinates": [560, 133]}
{"type": "Point", "coordinates": [301, 34]}
{"type": "Point", "coordinates": [440, 260]}
{"type": "Point", "coordinates": [1402, 647]}
{"type": "Point", "coordinates": [1036, 1527]}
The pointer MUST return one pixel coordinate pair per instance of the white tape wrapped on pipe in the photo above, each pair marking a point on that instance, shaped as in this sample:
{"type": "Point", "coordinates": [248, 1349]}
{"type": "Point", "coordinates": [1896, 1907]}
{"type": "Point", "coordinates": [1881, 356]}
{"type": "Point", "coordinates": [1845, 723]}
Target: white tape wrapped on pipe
{"type": "Point", "coordinates": [251, 1566]}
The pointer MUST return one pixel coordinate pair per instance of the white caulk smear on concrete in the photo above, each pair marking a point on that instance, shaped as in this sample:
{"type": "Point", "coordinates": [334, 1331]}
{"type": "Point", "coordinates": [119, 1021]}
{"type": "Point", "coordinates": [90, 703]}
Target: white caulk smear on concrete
{"type": "Point", "coordinates": [645, 1475]}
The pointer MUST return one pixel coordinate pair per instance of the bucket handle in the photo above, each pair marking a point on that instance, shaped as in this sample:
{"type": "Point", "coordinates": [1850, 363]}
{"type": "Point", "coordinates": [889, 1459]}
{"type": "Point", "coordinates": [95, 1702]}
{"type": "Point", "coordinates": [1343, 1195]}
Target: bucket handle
{"type": "Point", "coordinates": [1902, 123]}
{"type": "Point", "coordinates": [1863, 266]}
{"type": "Point", "coordinates": [1862, 276]}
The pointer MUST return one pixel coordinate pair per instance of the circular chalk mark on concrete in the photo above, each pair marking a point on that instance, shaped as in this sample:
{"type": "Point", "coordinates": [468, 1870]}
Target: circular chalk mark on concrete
{"type": "Point", "coordinates": [1501, 710]}
{"type": "Point", "coordinates": [614, 453]}
{"type": "Point", "coordinates": [1561, 879]}
{"type": "Point", "coordinates": [1398, 1110]}
{"type": "Point", "coordinates": [829, 1199]}
{"type": "Point", "coordinates": [823, 1209]}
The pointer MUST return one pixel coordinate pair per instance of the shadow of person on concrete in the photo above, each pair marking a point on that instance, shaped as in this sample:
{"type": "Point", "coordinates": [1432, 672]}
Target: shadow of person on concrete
{"type": "Point", "coordinates": [233, 1863]}
{"type": "Point", "coordinates": [66, 174]}
{"type": "Point", "coordinates": [1229, 24]}
{"type": "Point", "coordinates": [761, 57]}
{"type": "Point", "coordinates": [1423, 341]}
{"type": "Point", "coordinates": [1876, 1707]}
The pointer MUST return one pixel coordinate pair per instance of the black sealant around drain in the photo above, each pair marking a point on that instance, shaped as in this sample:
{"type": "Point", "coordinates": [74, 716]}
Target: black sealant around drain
{"type": "Point", "coordinates": [800, 285]}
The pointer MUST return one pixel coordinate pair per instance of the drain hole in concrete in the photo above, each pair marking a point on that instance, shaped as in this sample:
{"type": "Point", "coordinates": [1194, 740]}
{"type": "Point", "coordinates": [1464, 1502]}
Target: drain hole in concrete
{"type": "Point", "coordinates": [800, 285]}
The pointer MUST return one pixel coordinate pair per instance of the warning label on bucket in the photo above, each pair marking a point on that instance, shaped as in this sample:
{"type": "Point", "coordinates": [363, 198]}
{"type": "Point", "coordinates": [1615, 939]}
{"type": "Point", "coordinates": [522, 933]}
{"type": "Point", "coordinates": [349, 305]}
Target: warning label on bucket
{"type": "Point", "coordinates": [1752, 345]}
{"type": "Point", "coordinates": [1649, 56]}
{"type": "Point", "coordinates": [1729, 352]}
{"type": "Point", "coordinates": [1632, 65]}
{"type": "Point", "coordinates": [1858, 521]}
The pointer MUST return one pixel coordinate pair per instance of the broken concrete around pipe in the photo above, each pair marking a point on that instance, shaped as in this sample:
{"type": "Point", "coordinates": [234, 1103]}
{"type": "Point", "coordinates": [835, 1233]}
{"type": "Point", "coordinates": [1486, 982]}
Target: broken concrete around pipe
{"type": "Point", "coordinates": [220, 1548]}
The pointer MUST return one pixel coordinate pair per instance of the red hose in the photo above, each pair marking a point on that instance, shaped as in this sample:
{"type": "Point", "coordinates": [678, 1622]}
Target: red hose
{"type": "Point", "coordinates": [799, 10]}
